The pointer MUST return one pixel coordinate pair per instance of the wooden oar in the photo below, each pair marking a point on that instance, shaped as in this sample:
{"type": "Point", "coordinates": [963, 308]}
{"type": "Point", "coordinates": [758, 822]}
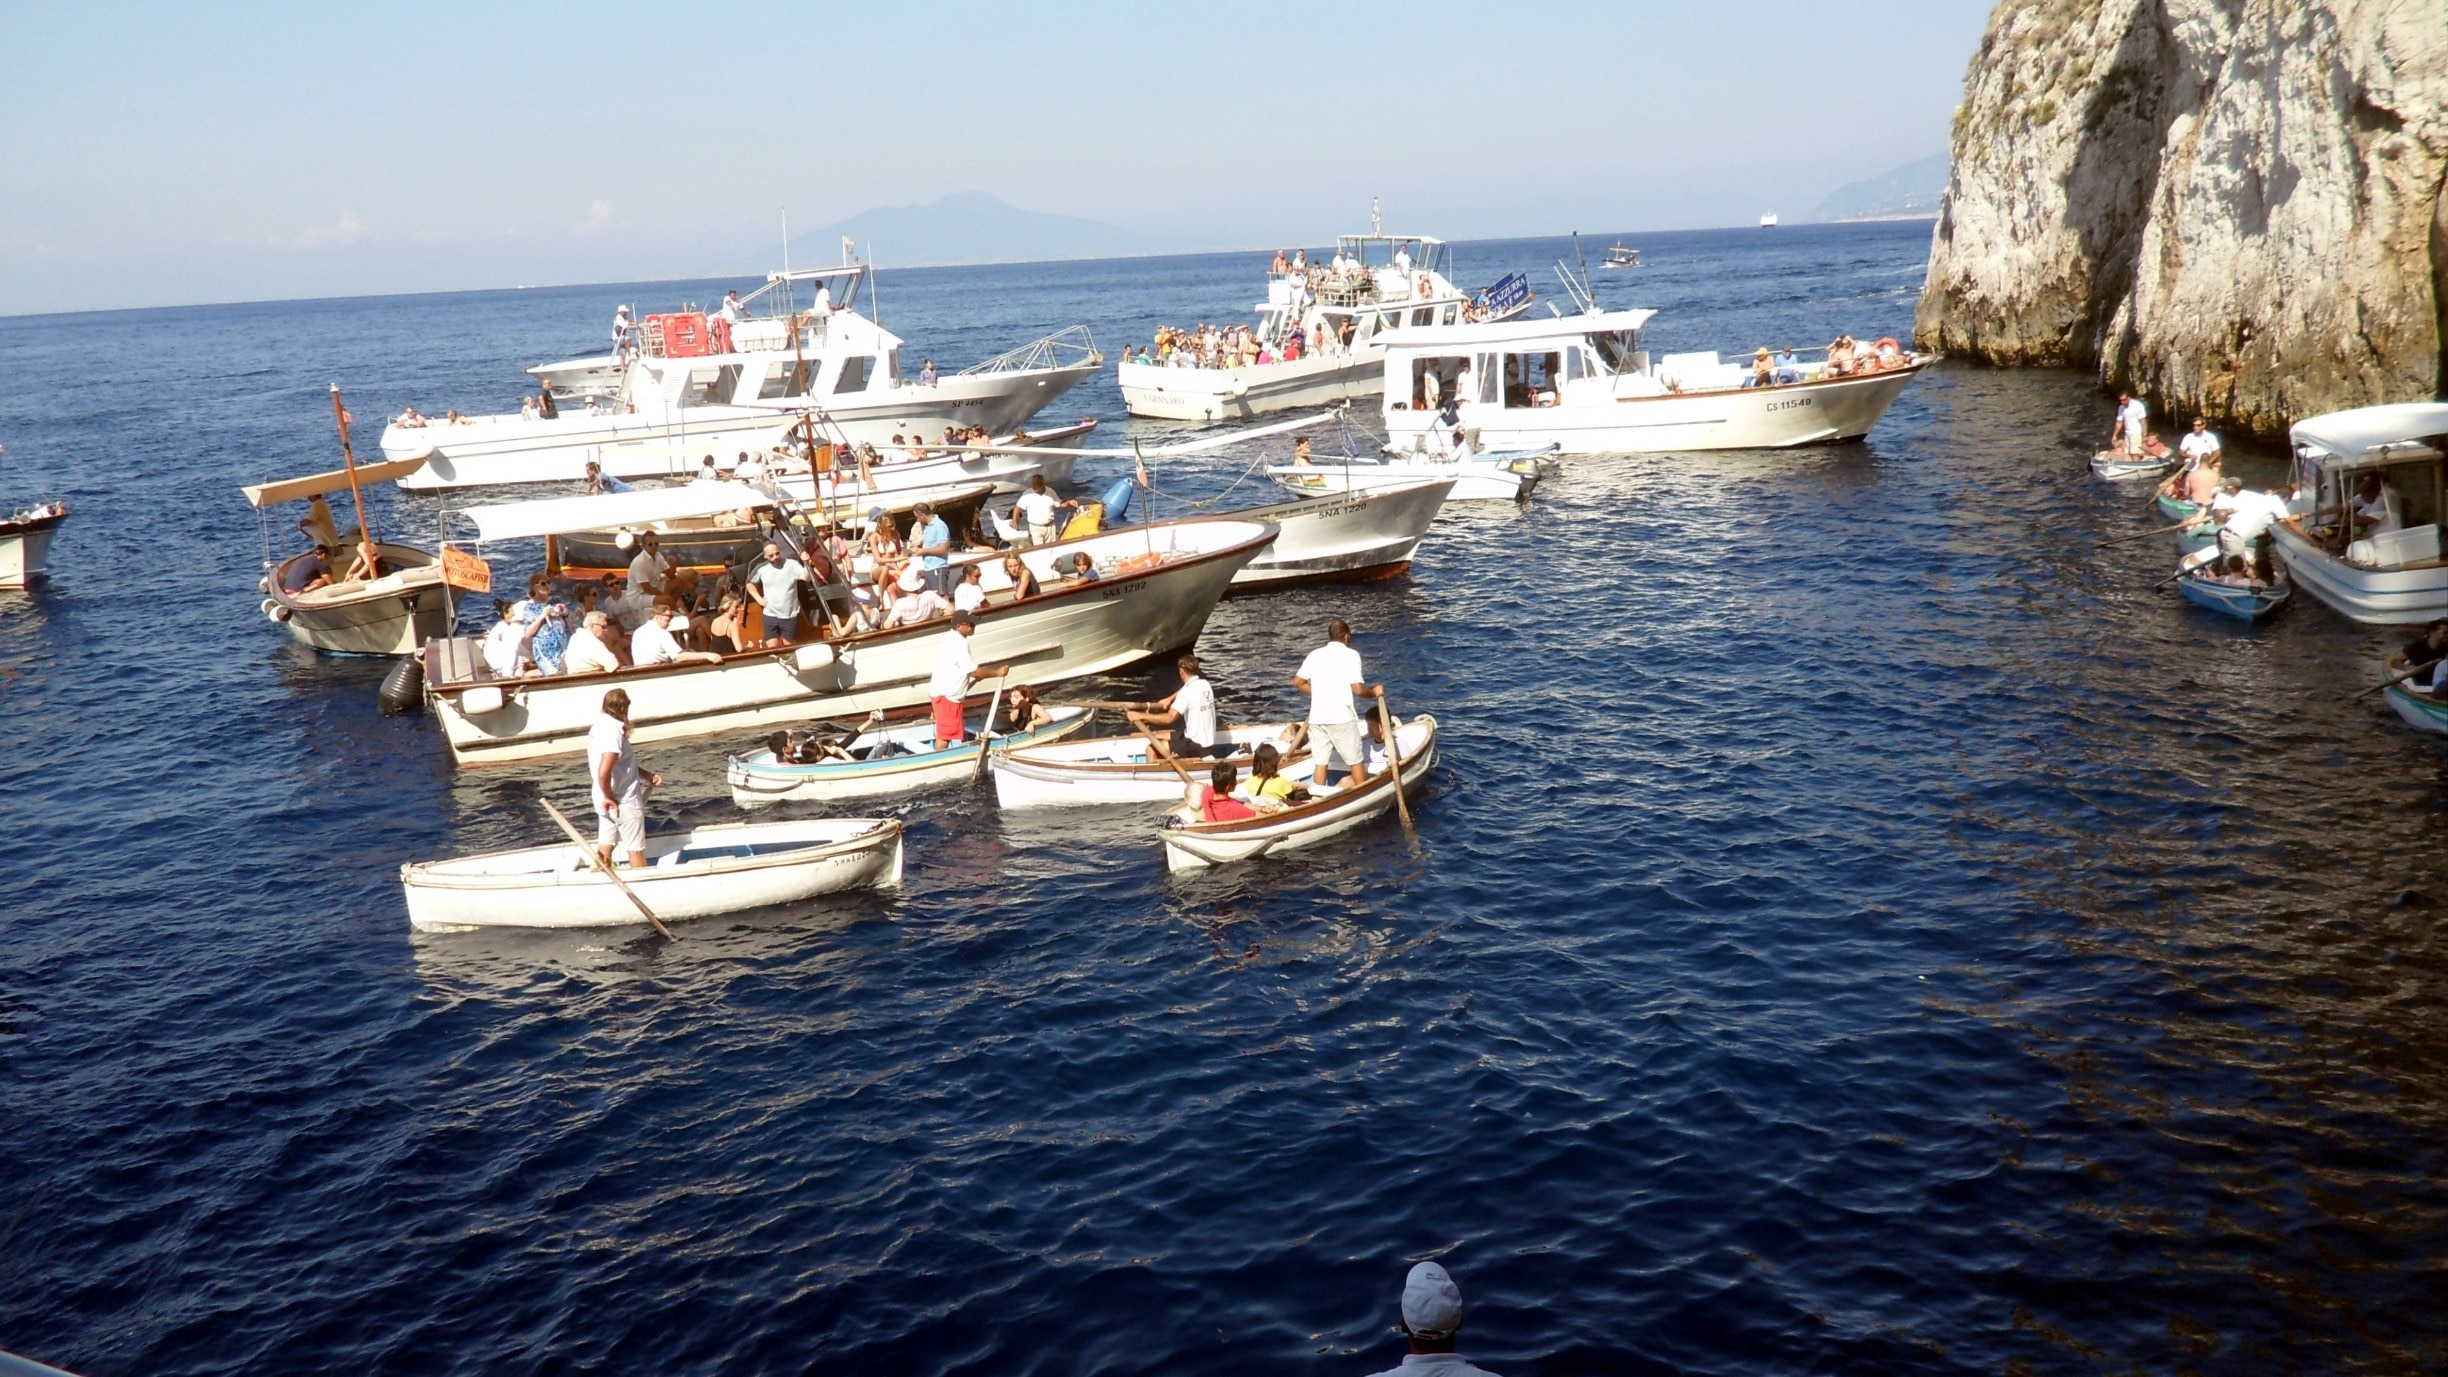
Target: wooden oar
{"type": "Point", "coordinates": [1170, 759]}
{"type": "Point", "coordinates": [1103, 703]}
{"type": "Point", "coordinates": [609, 872]}
{"type": "Point", "coordinates": [986, 731]}
{"type": "Point", "coordinates": [2145, 535]}
{"type": "Point", "coordinates": [2392, 683]}
{"type": "Point", "coordinates": [1385, 719]}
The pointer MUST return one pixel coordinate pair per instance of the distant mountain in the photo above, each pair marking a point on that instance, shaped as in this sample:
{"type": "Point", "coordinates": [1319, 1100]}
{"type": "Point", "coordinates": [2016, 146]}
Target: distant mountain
{"type": "Point", "coordinates": [973, 227]}
{"type": "Point", "coordinates": [1911, 192]}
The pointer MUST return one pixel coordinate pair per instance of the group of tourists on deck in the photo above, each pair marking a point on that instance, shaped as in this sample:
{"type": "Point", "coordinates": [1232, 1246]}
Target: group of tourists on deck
{"type": "Point", "coordinates": [1238, 346]}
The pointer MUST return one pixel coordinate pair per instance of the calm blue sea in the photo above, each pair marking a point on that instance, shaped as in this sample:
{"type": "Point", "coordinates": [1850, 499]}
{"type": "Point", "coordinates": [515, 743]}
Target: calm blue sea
{"type": "Point", "coordinates": [1857, 926]}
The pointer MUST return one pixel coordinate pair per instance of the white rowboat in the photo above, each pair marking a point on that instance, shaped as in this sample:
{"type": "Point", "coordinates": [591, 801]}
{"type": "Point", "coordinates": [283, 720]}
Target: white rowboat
{"type": "Point", "coordinates": [1507, 476]}
{"type": "Point", "coordinates": [1193, 845]}
{"type": "Point", "coordinates": [721, 868]}
{"type": "Point", "coordinates": [1115, 769]}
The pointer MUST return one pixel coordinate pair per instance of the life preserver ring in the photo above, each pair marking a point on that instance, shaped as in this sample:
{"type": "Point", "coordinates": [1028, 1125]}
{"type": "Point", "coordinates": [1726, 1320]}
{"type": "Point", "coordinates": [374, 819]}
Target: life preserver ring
{"type": "Point", "coordinates": [721, 330]}
{"type": "Point", "coordinates": [1424, 287]}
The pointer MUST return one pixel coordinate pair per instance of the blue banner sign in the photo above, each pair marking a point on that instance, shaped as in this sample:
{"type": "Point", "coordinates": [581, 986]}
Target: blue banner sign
{"type": "Point", "coordinates": [1511, 293]}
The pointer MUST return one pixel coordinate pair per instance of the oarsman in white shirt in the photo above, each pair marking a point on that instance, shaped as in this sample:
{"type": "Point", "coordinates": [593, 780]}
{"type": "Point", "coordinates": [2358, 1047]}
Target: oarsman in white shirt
{"type": "Point", "coordinates": [1036, 509]}
{"type": "Point", "coordinates": [654, 643]}
{"type": "Point", "coordinates": [2198, 443]}
{"type": "Point", "coordinates": [1331, 677]}
{"type": "Point", "coordinates": [620, 787]}
{"type": "Point", "coordinates": [955, 670]}
{"type": "Point", "coordinates": [2126, 434]}
{"type": "Point", "coordinates": [1431, 1317]}
{"type": "Point", "coordinates": [1188, 714]}
{"type": "Point", "coordinates": [650, 571]}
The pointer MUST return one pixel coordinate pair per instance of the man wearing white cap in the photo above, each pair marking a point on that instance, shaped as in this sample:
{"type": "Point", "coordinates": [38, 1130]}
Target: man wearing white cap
{"type": "Point", "coordinates": [1431, 1316]}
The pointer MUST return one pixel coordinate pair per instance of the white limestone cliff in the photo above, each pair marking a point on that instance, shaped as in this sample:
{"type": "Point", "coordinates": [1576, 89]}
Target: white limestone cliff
{"type": "Point", "coordinates": [2233, 206]}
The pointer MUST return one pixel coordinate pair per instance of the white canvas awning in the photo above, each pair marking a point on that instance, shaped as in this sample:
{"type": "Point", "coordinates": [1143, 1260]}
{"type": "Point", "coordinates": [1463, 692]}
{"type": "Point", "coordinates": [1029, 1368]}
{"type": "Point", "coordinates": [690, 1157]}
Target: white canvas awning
{"type": "Point", "coordinates": [299, 489]}
{"type": "Point", "coordinates": [611, 511]}
{"type": "Point", "coordinates": [2347, 434]}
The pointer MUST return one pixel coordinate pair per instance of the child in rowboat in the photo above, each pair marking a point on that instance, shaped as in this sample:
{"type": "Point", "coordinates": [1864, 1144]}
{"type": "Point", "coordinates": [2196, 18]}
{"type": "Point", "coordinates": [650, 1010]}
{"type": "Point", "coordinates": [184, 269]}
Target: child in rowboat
{"type": "Point", "coordinates": [1219, 805]}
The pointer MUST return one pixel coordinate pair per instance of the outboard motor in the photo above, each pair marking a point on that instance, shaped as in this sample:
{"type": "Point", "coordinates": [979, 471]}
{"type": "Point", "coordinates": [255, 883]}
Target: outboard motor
{"type": "Point", "coordinates": [403, 689]}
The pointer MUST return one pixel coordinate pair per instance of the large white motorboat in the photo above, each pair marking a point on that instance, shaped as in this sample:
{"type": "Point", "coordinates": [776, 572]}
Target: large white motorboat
{"type": "Point", "coordinates": [2394, 576]}
{"type": "Point", "coordinates": [1585, 384]}
{"type": "Point", "coordinates": [1376, 281]}
{"type": "Point", "coordinates": [25, 543]}
{"type": "Point", "coordinates": [691, 384]}
{"type": "Point", "coordinates": [1155, 587]}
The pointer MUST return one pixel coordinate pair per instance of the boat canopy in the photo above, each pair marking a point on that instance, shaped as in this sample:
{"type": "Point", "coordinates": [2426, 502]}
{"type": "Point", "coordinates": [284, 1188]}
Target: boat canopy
{"type": "Point", "coordinates": [611, 510]}
{"type": "Point", "coordinates": [2350, 434]}
{"type": "Point", "coordinates": [1514, 331]}
{"type": "Point", "coordinates": [299, 489]}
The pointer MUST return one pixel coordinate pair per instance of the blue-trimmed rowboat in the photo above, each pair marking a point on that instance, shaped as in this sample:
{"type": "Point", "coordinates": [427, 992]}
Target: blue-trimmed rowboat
{"type": "Point", "coordinates": [2236, 600]}
{"type": "Point", "coordinates": [2116, 468]}
{"type": "Point", "coordinates": [2178, 509]}
{"type": "Point", "coordinates": [2422, 710]}
{"type": "Point", "coordinates": [757, 778]}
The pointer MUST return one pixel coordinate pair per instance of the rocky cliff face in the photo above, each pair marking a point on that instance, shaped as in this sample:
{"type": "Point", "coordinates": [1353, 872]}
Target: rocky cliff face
{"type": "Point", "coordinates": [2233, 206]}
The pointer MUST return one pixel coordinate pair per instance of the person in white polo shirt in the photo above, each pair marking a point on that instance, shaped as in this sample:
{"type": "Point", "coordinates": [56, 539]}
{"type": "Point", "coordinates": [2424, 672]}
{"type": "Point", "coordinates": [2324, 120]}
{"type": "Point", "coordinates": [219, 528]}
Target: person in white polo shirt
{"type": "Point", "coordinates": [620, 787]}
{"type": "Point", "coordinates": [955, 670]}
{"type": "Point", "coordinates": [1331, 677]}
{"type": "Point", "coordinates": [1190, 713]}
{"type": "Point", "coordinates": [1035, 511]}
{"type": "Point", "coordinates": [1431, 1317]}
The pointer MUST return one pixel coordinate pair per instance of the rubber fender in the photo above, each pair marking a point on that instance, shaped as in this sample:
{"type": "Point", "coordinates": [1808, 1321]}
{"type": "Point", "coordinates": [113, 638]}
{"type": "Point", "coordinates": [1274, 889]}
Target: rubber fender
{"type": "Point", "coordinates": [403, 689]}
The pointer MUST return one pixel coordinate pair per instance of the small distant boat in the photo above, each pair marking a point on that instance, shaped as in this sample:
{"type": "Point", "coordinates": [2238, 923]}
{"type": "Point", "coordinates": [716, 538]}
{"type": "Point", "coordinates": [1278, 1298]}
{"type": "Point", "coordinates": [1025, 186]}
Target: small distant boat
{"type": "Point", "coordinates": [2244, 601]}
{"type": "Point", "coordinates": [2118, 468]}
{"type": "Point", "coordinates": [1116, 769]}
{"type": "Point", "coordinates": [720, 868]}
{"type": "Point", "coordinates": [1768, 221]}
{"type": "Point", "coordinates": [1621, 255]}
{"type": "Point", "coordinates": [1192, 845]}
{"type": "Point", "coordinates": [2421, 709]}
{"type": "Point", "coordinates": [25, 543]}
{"type": "Point", "coordinates": [907, 761]}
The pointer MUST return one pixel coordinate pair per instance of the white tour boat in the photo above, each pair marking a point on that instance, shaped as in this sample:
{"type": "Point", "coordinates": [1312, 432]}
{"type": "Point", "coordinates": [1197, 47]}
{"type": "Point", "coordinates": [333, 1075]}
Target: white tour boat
{"type": "Point", "coordinates": [1192, 845]}
{"type": "Point", "coordinates": [1155, 588]}
{"type": "Point", "coordinates": [1585, 384]}
{"type": "Point", "coordinates": [695, 383]}
{"type": "Point", "coordinates": [1122, 769]}
{"type": "Point", "coordinates": [1349, 537]}
{"type": "Point", "coordinates": [883, 759]}
{"type": "Point", "coordinates": [719, 868]}
{"type": "Point", "coordinates": [25, 543]}
{"type": "Point", "coordinates": [1390, 280]}
{"type": "Point", "coordinates": [2393, 577]}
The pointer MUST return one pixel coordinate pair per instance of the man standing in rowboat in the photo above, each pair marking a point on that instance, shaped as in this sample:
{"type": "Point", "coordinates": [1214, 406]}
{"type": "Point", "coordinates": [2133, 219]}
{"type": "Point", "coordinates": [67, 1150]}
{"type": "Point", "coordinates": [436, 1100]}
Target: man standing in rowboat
{"type": "Point", "coordinates": [620, 788]}
{"type": "Point", "coordinates": [955, 670]}
{"type": "Point", "coordinates": [1332, 678]}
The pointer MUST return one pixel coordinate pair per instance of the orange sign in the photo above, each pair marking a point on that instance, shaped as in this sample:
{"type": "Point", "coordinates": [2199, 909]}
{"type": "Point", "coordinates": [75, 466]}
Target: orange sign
{"type": "Point", "coordinates": [463, 570]}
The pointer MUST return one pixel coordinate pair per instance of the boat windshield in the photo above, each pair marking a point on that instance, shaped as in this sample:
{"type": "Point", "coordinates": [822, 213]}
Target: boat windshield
{"type": "Point", "coordinates": [1615, 348]}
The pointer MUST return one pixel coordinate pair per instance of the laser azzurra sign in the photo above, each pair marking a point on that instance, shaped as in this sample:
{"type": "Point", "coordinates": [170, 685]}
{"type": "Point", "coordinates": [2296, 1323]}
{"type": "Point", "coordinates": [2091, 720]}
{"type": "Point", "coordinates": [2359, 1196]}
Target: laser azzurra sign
{"type": "Point", "coordinates": [1510, 293]}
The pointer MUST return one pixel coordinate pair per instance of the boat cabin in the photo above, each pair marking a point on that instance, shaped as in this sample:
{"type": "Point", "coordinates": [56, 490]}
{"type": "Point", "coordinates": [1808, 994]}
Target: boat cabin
{"type": "Point", "coordinates": [2399, 446]}
{"type": "Point", "coordinates": [1516, 364]}
{"type": "Point", "coordinates": [689, 359]}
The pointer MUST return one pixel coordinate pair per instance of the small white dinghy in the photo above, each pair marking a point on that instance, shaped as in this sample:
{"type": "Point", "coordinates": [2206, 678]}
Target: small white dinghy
{"type": "Point", "coordinates": [1190, 845]}
{"type": "Point", "coordinates": [1118, 769]}
{"type": "Point", "coordinates": [721, 868]}
{"type": "Point", "coordinates": [881, 760]}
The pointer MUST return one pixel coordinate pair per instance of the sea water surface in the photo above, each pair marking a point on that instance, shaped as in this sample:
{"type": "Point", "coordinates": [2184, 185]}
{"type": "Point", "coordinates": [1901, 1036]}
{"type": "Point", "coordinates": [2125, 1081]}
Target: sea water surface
{"type": "Point", "coordinates": [1857, 925]}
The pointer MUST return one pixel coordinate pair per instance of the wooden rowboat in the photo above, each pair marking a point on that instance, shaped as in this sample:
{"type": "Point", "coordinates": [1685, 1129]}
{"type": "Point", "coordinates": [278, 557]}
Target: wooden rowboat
{"type": "Point", "coordinates": [2117, 468]}
{"type": "Point", "coordinates": [1117, 769]}
{"type": "Point", "coordinates": [2234, 599]}
{"type": "Point", "coordinates": [1191, 845]}
{"type": "Point", "coordinates": [2178, 509]}
{"type": "Point", "coordinates": [757, 778]}
{"type": "Point", "coordinates": [720, 868]}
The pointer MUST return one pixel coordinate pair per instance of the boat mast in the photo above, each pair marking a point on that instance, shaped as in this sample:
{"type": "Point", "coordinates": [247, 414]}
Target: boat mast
{"type": "Point", "coordinates": [340, 417]}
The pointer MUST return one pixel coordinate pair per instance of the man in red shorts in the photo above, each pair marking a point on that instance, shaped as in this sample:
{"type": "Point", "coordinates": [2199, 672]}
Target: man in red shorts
{"type": "Point", "coordinates": [955, 670]}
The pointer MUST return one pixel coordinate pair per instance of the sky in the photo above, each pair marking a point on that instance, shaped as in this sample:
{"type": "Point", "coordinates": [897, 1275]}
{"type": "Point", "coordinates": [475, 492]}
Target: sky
{"type": "Point", "coordinates": [172, 154]}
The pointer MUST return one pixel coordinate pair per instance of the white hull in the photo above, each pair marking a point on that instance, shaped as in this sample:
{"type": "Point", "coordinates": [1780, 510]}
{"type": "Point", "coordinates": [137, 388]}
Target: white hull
{"type": "Point", "coordinates": [1473, 480]}
{"type": "Point", "coordinates": [1231, 394]}
{"type": "Point", "coordinates": [1194, 846]}
{"type": "Point", "coordinates": [1009, 473]}
{"type": "Point", "coordinates": [556, 887]}
{"type": "Point", "coordinates": [1109, 770]}
{"type": "Point", "coordinates": [1066, 631]}
{"type": "Point", "coordinates": [1593, 420]}
{"type": "Point", "coordinates": [25, 549]}
{"type": "Point", "coordinates": [392, 615]}
{"type": "Point", "coordinates": [2381, 596]}
{"type": "Point", "coordinates": [509, 449]}
{"type": "Point", "coordinates": [757, 779]}
{"type": "Point", "coordinates": [1363, 535]}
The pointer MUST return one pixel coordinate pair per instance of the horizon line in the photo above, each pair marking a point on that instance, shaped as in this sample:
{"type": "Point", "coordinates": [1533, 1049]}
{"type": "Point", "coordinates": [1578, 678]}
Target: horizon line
{"type": "Point", "coordinates": [963, 263]}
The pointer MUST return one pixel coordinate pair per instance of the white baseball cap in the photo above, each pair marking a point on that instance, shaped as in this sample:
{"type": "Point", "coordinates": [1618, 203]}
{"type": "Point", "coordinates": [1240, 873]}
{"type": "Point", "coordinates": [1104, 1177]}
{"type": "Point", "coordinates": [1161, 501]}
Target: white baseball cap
{"type": "Point", "coordinates": [1431, 1303]}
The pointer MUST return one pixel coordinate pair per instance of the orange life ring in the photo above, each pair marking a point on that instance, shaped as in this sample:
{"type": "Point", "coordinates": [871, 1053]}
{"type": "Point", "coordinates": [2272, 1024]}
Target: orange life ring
{"type": "Point", "coordinates": [721, 330]}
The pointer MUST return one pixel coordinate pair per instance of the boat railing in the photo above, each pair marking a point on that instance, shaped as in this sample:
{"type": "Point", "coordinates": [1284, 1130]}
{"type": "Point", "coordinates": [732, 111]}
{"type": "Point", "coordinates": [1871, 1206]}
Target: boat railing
{"type": "Point", "coordinates": [1065, 348]}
